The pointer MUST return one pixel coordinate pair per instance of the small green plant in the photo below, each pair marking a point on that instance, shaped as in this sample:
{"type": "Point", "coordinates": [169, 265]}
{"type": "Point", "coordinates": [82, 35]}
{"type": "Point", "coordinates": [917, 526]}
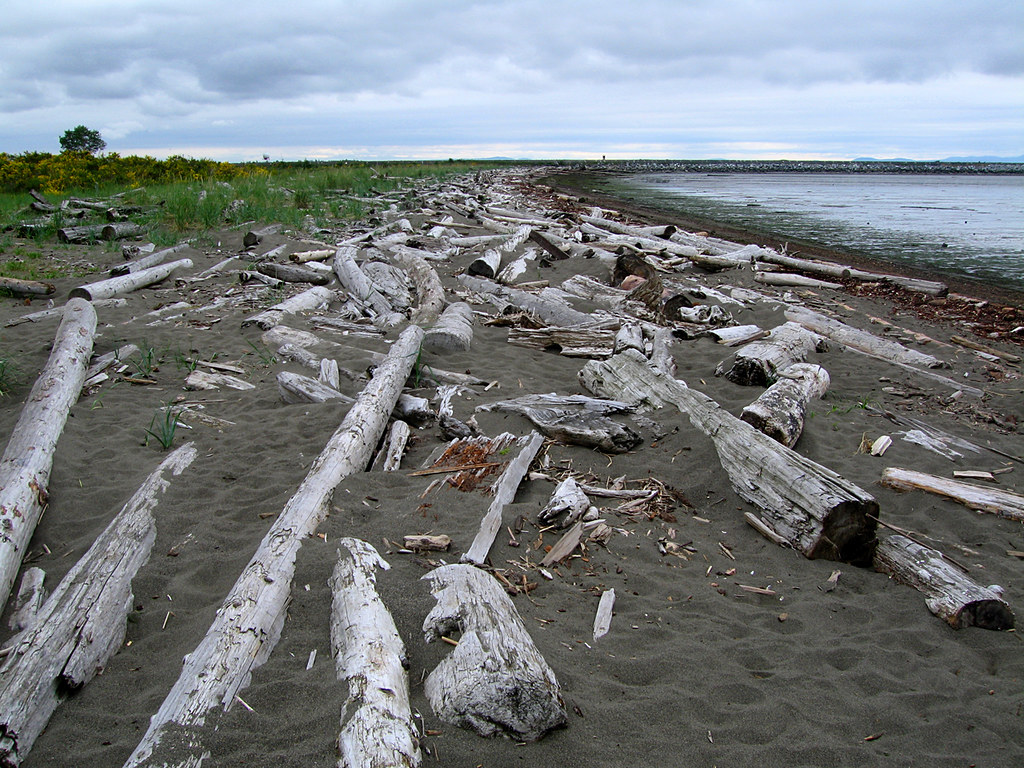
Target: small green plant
{"type": "Point", "coordinates": [6, 376]}
{"type": "Point", "coordinates": [182, 360]}
{"type": "Point", "coordinates": [162, 427]}
{"type": "Point", "coordinates": [265, 356]}
{"type": "Point", "coordinates": [146, 363]}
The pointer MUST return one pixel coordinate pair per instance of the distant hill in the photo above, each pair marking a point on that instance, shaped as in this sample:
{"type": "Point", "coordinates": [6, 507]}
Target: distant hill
{"type": "Point", "coordinates": [972, 159]}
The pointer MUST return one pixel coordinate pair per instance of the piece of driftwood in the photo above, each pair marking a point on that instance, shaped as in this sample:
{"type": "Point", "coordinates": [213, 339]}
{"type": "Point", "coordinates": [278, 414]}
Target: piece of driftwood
{"type": "Point", "coordinates": [487, 265]}
{"type": "Point", "coordinates": [157, 257]}
{"type": "Point", "coordinates": [567, 504]}
{"type": "Point", "coordinates": [358, 285]}
{"type": "Point", "coordinates": [392, 282]}
{"type": "Point", "coordinates": [30, 598]}
{"type": "Point", "coordinates": [862, 341]}
{"type": "Point", "coordinates": [205, 380]}
{"type": "Point", "coordinates": [429, 290]}
{"type": "Point", "coordinates": [55, 312]}
{"type": "Point", "coordinates": [570, 342]}
{"type": "Point", "coordinates": [977, 346]}
{"type": "Point", "coordinates": [422, 542]}
{"type": "Point", "coordinates": [993, 500]}
{"type": "Point", "coordinates": [796, 281]}
{"type": "Point", "coordinates": [296, 388]}
{"type": "Point", "coordinates": [377, 727]}
{"type": "Point", "coordinates": [819, 512]}
{"type": "Point", "coordinates": [318, 254]}
{"type": "Point", "coordinates": [292, 273]}
{"type": "Point", "coordinates": [247, 276]}
{"type": "Point", "coordinates": [82, 624]}
{"type": "Point", "coordinates": [495, 681]}
{"type": "Point", "coordinates": [249, 621]}
{"type": "Point", "coordinates": [575, 419]}
{"type": "Point", "coordinates": [565, 546]}
{"type": "Point", "coordinates": [551, 310]}
{"type": "Point", "coordinates": [254, 237]}
{"type": "Point", "coordinates": [27, 460]}
{"type": "Point", "coordinates": [121, 230]}
{"type": "Point", "coordinates": [82, 234]}
{"type": "Point", "coordinates": [950, 594]}
{"type": "Point", "coordinates": [760, 362]}
{"type": "Point", "coordinates": [735, 335]}
{"type": "Point", "coordinates": [930, 287]}
{"type": "Point", "coordinates": [453, 331]}
{"type": "Point", "coordinates": [603, 618]}
{"type": "Point", "coordinates": [780, 410]}
{"type": "Point", "coordinates": [307, 301]}
{"type": "Point", "coordinates": [504, 492]}
{"type": "Point", "coordinates": [629, 336]}
{"type": "Point", "coordinates": [25, 288]}
{"type": "Point", "coordinates": [390, 457]}
{"type": "Point", "coordinates": [114, 286]}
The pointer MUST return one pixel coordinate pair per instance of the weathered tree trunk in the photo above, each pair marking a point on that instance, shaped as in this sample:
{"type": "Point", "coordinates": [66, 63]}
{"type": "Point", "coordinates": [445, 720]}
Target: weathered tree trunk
{"type": "Point", "coordinates": [820, 513]}
{"type": "Point", "coordinates": [114, 286]}
{"type": "Point", "coordinates": [488, 265]}
{"type": "Point", "coordinates": [993, 500]}
{"type": "Point", "coordinates": [429, 290]}
{"type": "Point", "coordinates": [292, 273]}
{"type": "Point", "coordinates": [255, 236]}
{"type": "Point", "coordinates": [31, 596]}
{"type": "Point", "coordinates": [550, 310]}
{"type": "Point", "coordinates": [780, 410]}
{"type": "Point", "coordinates": [27, 461]}
{"type": "Point", "coordinates": [377, 728]}
{"type": "Point", "coordinates": [571, 342]}
{"type": "Point", "coordinates": [82, 624]}
{"type": "Point", "coordinates": [796, 281]}
{"type": "Point", "coordinates": [148, 261]}
{"type": "Point", "coordinates": [929, 287]}
{"type": "Point", "coordinates": [390, 457]}
{"type": "Point", "coordinates": [308, 300]}
{"type": "Point", "coordinates": [357, 284]}
{"type": "Point", "coordinates": [760, 362]}
{"type": "Point", "coordinates": [296, 388]}
{"type": "Point", "coordinates": [567, 504]}
{"type": "Point", "coordinates": [949, 594]}
{"type": "Point", "coordinates": [25, 288]}
{"type": "Point", "coordinates": [321, 254]}
{"type": "Point", "coordinates": [84, 234]}
{"type": "Point", "coordinates": [860, 340]}
{"type": "Point", "coordinates": [734, 335]}
{"type": "Point", "coordinates": [495, 680]}
{"type": "Point", "coordinates": [248, 623]}
{"type": "Point", "coordinates": [504, 492]}
{"type": "Point", "coordinates": [121, 230]}
{"type": "Point", "coordinates": [453, 331]}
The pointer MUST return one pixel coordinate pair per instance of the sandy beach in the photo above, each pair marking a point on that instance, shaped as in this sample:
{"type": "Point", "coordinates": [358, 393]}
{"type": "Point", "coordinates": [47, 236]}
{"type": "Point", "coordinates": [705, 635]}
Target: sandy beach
{"type": "Point", "coordinates": [725, 649]}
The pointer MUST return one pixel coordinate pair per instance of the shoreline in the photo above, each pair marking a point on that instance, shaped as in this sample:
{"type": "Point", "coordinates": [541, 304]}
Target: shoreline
{"type": "Point", "coordinates": [575, 183]}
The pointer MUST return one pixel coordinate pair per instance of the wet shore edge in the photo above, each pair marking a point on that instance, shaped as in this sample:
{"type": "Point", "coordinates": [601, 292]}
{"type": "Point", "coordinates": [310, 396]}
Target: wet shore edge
{"type": "Point", "coordinates": [579, 184]}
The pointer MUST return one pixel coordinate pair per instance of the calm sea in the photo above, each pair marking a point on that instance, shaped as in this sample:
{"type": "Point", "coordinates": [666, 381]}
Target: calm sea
{"type": "Point", "coordinates": [969, 225]}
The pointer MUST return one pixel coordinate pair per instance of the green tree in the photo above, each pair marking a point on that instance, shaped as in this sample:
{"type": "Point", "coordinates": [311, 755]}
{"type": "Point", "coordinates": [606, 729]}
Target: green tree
{"type": "Point", "coordinates": [82, 139]}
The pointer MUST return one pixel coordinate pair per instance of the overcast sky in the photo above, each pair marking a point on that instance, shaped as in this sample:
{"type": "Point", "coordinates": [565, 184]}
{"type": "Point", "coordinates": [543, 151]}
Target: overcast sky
{"type": "Point", "coordinates": [922, 79]}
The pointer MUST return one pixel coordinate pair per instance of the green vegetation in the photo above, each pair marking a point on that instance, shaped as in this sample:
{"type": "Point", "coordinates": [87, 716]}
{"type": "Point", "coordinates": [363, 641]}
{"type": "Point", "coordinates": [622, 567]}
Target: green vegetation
{"type": "Point", "coordinates": [7, 375]}
{"type": "Point", "coordinates": [162, 427]}
{"type": "Point", "coordinates": [82, 139]}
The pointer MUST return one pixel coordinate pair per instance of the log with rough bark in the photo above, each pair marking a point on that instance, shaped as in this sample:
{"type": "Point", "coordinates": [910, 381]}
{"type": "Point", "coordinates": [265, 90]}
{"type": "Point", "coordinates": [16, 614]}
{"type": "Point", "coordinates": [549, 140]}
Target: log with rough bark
{"type": "Point", "coordinates": [121, 230]}
{"type": "Point", "coordinates": [760, 362]}
{"type": "Point", "coordinates": [949, 594]}
{"type": "Point", "coordinates": [995, 501]}
{"type": "Point", "coordinates": [27, 461]}
{"type": "Point", "coordinates": [504, 492]}
{"type": "Point", "coordinates": [82, 624]}
{"type": "Point", "coordinates": [249, 621]}
{"type": "Point", "coordinates": [574, 419]}
{"type": "Point", "coordinates": [453, 331]}
{"type": "Point", "coordinates": [495, 680]}
{"type": "Point", "coordinates": [114, 286]}
{"type": "Point", "coordinates": [12, 286]}
{"type": "Point", "coordinates": [819, 512]}
{"type": "Point", "coordinates": [570, 342]}
{"type": "Point", "coordinates": [859, 340]}
{"type": "Point", "coordinates": [780, 410]}
{"type": "Point", "coordinates": [292, 273]}
{"type": "Point", "coordinates": [377, 727]}
{"type": "Point", "coordinates": [307, 301]}
{"type": "Point", "coordinates": [146, 262]}
{"type": "Point", "coordinates": [320, 254]}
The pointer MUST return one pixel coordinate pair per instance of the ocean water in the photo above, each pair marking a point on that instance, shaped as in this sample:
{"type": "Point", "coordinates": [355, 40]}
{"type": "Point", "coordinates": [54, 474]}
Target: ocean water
{"type": "Point", "coordinates": [967, 225]}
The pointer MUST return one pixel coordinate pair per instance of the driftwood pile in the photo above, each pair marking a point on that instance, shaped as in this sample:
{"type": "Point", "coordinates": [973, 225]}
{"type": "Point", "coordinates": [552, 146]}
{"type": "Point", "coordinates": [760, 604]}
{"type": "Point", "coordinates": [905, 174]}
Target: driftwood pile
{"type": "Point", "coordinates": [625, 324]}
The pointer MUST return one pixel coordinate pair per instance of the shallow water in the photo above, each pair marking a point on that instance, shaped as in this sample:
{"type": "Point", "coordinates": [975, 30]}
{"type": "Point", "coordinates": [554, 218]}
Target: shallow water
{"type": "Point", "coordinates": [969, 225]}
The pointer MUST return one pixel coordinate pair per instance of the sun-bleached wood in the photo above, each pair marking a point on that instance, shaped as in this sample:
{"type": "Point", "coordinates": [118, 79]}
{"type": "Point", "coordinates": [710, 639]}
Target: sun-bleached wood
{"type": "Point", "coordinates": [25, 288]}
{"type": "Point", "coordinates": [993, 500]}
{"type": "Point", "coordinates": [249, 621]}
{"type": "Point", "coordinates": [950, 594]}
{"type": "Point", "coordinates": [570, 342]}
{"type": "Point", "coordinates": [551, 310]}
{"type": "Point", "coordinates": [390, 457]}
{"type": "Point", "coordinates": [603, 619]}
{"type": "Point", "coordinates": [567, 504]}
{"type": "Point", "coordinates": [495, 680]}
{"type": "Point", "coordinates": [82, 624]}
{"type": "Point", "coordinates": [292, 273]}
{"type": "Point", "coordinates": [307, 301]}
{"type": "Point", "coordinates": [504, 492]}
{"type": "Point", "coordinates": [930, 287]}
{"type": "Point", "coordinates": [780, 410]}
{"type": "Point", "coordinates": [114, 286]}
{"type": "Point", "coordinates": [377, 727]}
{"type": "Point", "coordinates": [31, 596]}
{"type": "Point", "coordinates": [157, 257]}
{"type": "Point", "coordinates": [786, 279]}
{"type": "Point", "coordinates": [27, 460]}
{"type": "Point", "coordinates": [820, 513]}
{"type": "Point", "coordinates": [453, 331]}
{"type": "Point", "coordinates": [760, 362]}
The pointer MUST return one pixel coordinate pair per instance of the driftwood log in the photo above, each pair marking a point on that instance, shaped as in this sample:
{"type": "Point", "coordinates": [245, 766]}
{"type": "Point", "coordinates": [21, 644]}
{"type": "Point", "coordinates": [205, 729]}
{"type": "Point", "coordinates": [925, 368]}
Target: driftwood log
{"type": "Point", "coordinates": [313, 298]}
{"type": "Point", "coordinates": [781, 409]}
{"type": "Point", "coordinates": [796, 281]}
{"type": "Point", "coordinates": [949, 594]}
{"type": "Point", "coordinates": [249, 621]}
{"type": "Point", "coordinates": [759, 362]}
{"type": "Point", "coordinates": [27, 460]}
{"type": "Point", "coordinates": [820, 513]}
{"type": "Point", "coordinates": [453, 331]}
{"type": "Point", "coordinates": [25, 288]}
{"type": "Point", "coordinates": [567, 504]}
{"type": "Point", "coordinates": [993, 500]}
{"type": "Point", "coordinates": [570, 342]}
{"type": "Point", "coordinates": [495, 680]}
{"type": "Point", "coordinates": [929, 287]}
{"type": "Point", "coordinates": [377, 728]}
{"type": "Point", "coordinates": [292, 273]}
{"type": "Point", "coordinates": [151, 260]}
{"type": "Point", "coordinates": [551, 310]}
{"type": "Point", "coordinates": [429, 290]}
{"type": "Point", "coordinates": [82, 624]}
{"type": "Point", "coordinates": [114, 286]}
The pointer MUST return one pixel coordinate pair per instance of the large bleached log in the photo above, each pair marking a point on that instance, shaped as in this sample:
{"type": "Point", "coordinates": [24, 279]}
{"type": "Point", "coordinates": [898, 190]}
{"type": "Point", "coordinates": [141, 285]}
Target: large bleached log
{"type": "Point", "coordinates": [453, 331]}
{"type": "Point", "coordinates": [796, 281]}
{"type": "Point", "coordinates": [993, 500]}
{"type": "Point", "coordinates": [54, 312]}
{"type": "Point", "coordinates": [114, 286]}
{"type": "Point", "coordinates": [504, 492]}
{"type": "Point", "coordinates": [296, 388]}
{"type": "Point", "coordinates": [390, 457]}
{"type": "Point", "coordinates": [574, 419]}
{"type": "Point", "coordinates": [392, 283]}
{"type": "Point", "coordinates": [292, 273]}
{"type": "Point", "coordinates": [640, 238]}
{"type": "Point", "coordinates": [571, 342]}
{"type": "Point", "coordinates": [429, 290]}
{"type": "Point", "coordinates": [82, 624]}
{"type": "Point", "coordinates": [249, 621]}
{"type": "Point", "coordinates": [949, 594]}
{"type": "Point", "coordinates": [356, 283]}
{"type": "Point", "coordinates": [819, 512]}
{"type": "Point", "coordinates": [550, 310]}
{"type": "Point", "coordinates": [81, 234]}
{"type": "Point", "coordinates": [307, 301]}
{"type": "Point", "coordinates": [12, 286]}
{"type": "Point", "coordinates": [487, 265]}
{"type": "Point", "coordinates": [377, 728]}
{"type": "Point", "coordinates": [495, 680]}
{"type": "Point", "coordinates": [780, 410]}
{"type": "Point", "coordinates": [27, 460]}
{"type": "Point", "coordinates": [760, 362]}
{"type": "Point", "coordinates": [151, 260]}
{"type": "Point", "coordinates": [930, 287]}
{"type": "Point", "coordinates": [860, 340]}
{"type": "Point", "coordinates": [31, 596]}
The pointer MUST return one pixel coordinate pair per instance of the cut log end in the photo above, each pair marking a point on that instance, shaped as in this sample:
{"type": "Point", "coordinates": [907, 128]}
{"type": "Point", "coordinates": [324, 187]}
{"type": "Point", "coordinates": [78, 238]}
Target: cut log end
{"type": "Point", "coordinates": [987, 614]}
{"type": "Point", "coordinates": [848, 534]}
